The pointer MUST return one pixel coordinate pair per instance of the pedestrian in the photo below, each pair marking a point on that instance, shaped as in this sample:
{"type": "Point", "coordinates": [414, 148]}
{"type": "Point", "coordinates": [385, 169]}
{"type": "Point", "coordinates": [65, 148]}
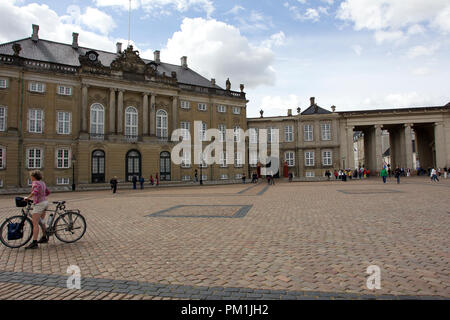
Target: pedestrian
{"type": "Point", "coordinates": [152, 182]}
{"type": "Point", "coordinates": [134, 180]}
{"type": "Point", "coordinates": [141, 181]}
{"type": "Point", "coordinates": [397, 174]}
{"type": "Point", "coordinates": [328, 174]}
{"type": "Point", "coordinates": [113, 183]}
{"type": "Point", "coordinates": [291, 175]}
{"type": "Point", "coordinates": [336, 174]}
{"type": "Point", "coordinates": [439, 172]}
{"type": "Point", "coordinates": [445, 173]}
{"type": "Point", "coordinates": [39, 193]}
{"type": "Point", "coordinates": [434, 176]}
{"type": "Point", "coordinates": [243, 178]}
{"type": "Point", "coordinates": [383, 174]}
{"type": "Point", "coordinates": [157, 180]}
{"type": "Point", "coordinates": [408, 172]}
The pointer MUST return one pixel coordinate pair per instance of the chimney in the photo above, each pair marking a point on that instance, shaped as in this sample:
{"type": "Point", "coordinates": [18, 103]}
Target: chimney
{"type": "Point", "coordinates": [184, 62]}
{"type": "Point", "coordinates": [75, 40]}
{"type": "Point", "coordinates": [213, 82]}
{"type": "Point", "coordinates": [119, 47]}
{"type": "Point", "coordinates": [333, 108]}
{"type": "Point", "coordinates": [289, 112]}
{"type": "Point", "coordinates": [157, 56]}
{"type": "Point", "coordinates": [312, 101]}
{"type": "Point", "coordinates": [35, 35]}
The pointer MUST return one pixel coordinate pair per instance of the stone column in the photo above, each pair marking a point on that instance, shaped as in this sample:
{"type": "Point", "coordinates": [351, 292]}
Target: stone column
{"type": "Point", "coordinates": [145, 114]}
{"type": "Point", "coordinates": [84, 108]}
{"type": "Point", "coordinates": [378, 156]}
{"type": "Point", "coordinates": [350, 164]}
{"type": "Point", "coordinates": [120, 112]}
{"type": "Point", "coordinates": [174, 113]}
{"type": "Point", "coordinates": [439, 142]}
{"type": "Point", "coordinates": [112, 111]}
{"type": "Point", "coordinates": [153, 114]}
{"type": "Point", "coordinates": [408, 147]}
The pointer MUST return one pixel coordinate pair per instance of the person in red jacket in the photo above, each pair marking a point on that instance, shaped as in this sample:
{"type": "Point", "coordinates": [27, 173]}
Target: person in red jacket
{"type": "Point", "coordinates": [157, 180]}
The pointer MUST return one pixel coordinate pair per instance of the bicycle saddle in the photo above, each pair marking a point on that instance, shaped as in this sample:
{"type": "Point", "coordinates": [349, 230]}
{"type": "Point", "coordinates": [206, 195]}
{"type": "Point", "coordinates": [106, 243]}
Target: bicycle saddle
{"type": "Point", "coordinates": [59, 202]}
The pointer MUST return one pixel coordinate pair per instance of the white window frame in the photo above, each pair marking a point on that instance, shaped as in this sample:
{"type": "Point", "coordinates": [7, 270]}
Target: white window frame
{"type": "Point", "coordinates": [253, 135]}
{"type": "Point", "coordinates": [204, 177]}
{"type": "Point", "coordinates": [289, 157]}
{"type": "Point", "coordinates": [202, 131]}
{"type": "Point", "coordinates": [62, 181]}
{"type": "Point", "coordinates": [66, 123]}
{"type": "Point", "coordinates": [131, 121]}
{"type": "Point", "coordinates": [5, 83]}
{"type": "Point", "coordinates": [33, 117]}
{"type": "Point", "coordinates": [38, 87]}
{"type": "Point", "coordinates": [222, 108]}
{"type": "Point", "coordinates": [186, 160]}
{"type": "Point", "coordinates": [236, 133]}
{"type": "Point", "coordinates": [325, 128]}
{"type": "Point", "coordinates": [238, 176]}
{"type": "Point", "coordinates": [223, 176]}
{"type": "Point", "coordinates": [270, 134]}
{"type": "Point", "coordinates": [29, 182]}
{"type": "Point", "coordinates": [289, 133]}
{"type": "Point", "coordinates": [253, 158]}
{"type": "Point", "coordinates": [41, 158]}
{"type": "Point", "coordinates": [236, 110]}
{"type": "Point", "coordinates": [162, 128]}
{"type": "Point", "coordinates": [223, 163]}
{"type": "Point", "coordinates": [202, 106]}
{"type": "Point", "coordinates": [97, 126]}
{"type": "Point", "coordinates": [66, 156]}
{"type": "Point", "coordinates": [310, 174]}
{"type": "Point", "coordinates": [4, 118]}
{"type": "Point", "coordinates": [185, 127]}
{"type": "Point", "coordinates": [186, 178]}
{"type": "Point", "coordinates": [309, 158]}
{"type": "Point", "coordinates": [223, 132]}
{"type": "Point", "coordinates": [64, 91]}
{"type": "Point", "coordinates": [308, 134]}
{"type": "Point", "coordinates": [184, 104]}
{"type": "Point", "coordinates": [2, 157]}
{"type": "Point", "coordinates": [329, 158]}
{"type": "Point", "coordinates": [238, 161]}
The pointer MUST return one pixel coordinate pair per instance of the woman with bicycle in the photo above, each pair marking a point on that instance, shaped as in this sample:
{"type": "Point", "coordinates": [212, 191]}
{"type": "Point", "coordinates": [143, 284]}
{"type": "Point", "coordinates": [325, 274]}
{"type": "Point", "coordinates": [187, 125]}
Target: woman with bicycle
{"type": "Point", "coordinates": [39, 192]}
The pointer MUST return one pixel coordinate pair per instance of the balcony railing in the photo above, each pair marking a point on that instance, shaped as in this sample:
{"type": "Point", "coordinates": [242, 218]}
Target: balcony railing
{"type": "Point", "coordinates": [131, 138]}
{"type": "Point", "coordinates": [97, 136]}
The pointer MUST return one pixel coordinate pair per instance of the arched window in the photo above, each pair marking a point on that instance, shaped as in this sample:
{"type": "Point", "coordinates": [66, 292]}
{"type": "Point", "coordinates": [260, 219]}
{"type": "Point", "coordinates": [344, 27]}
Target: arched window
{"type": "Point", "coordinates": [97, 119]}
{"type": "Point", "coordinates": [98, 166]}
{"type": "Point", "coordinates": [133, 165]}
{"type": "Point", "coordinates": [161, 124]}
{"type": "Point", "coordinates": [131, 122]}
{"type": "Point", "coordinates": [164, 166]}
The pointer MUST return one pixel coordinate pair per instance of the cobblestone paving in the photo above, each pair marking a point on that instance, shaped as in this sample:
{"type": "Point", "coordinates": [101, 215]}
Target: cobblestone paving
{"type": "Point", "coordinates": [311, 240]}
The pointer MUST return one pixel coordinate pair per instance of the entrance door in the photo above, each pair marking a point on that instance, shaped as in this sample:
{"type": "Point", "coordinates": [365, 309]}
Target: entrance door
{"type": "Point", "coordinates": [133, 165]}
{"type": "Point", "coordinates": [98, 166]}
{"type": "Point", "coordinates": [164, 160]}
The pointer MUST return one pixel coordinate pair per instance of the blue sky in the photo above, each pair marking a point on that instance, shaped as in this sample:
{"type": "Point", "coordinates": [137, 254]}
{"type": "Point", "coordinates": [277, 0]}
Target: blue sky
{"type": "Point", "coordinates": [355, 54]}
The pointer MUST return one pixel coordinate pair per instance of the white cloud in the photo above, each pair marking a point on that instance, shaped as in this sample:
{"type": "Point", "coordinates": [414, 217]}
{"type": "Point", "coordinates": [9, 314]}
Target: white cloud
{"type": "Point", "coordinates": [157, 7]}
{"type": "Point", "coordinates": [330, 2]}
{"type": "Point", "coordinates": [394, 16]}
{"type": "Point", "coordinates": [218, 50]}
{"type": "Point", "coordinates": [400, 100]}
{"type": "Point", "coordinates": [389, 36]}
{"type": "Point", "coordinates": [51, 26]}
{"type": "Point", "coordinates": [416, 29]}
{"type": "Point", "coordinates": [235, 10]}
{"type": "Point", "coordinates": [278, 105]}
{"type": "Point", "coordinates": [422, 71]}
{"type": "Point", "coordinates": [419, 51]}
{"type": "Point", "coordinates": [357, 49]}
{"type": "Point", "coordinates": [92, 18]}
{"type": "Point", "coordinates": [275, 40]}
{"type": "Point", "coordinates": [308, 14]}
{"type": "Point", "coordinates": [255, 21]}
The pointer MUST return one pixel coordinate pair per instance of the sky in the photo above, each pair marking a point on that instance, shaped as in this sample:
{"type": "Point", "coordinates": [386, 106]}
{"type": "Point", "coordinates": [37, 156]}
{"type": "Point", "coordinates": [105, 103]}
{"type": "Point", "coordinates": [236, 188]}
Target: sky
{"type": "Point", "coordinates": [354, 54]}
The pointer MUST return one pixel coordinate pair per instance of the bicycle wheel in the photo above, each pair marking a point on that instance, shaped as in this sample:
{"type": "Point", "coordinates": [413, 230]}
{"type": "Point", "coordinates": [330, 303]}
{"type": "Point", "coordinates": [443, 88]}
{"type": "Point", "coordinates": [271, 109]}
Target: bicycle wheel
{"type": "Point", "coordinates": [27, 231]}
{"type": "Point", "coordinates": [70, 227]}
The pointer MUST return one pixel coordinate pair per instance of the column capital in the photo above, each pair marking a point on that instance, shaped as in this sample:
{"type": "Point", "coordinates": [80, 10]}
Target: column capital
{"type": "Point", "coordinates": [407, 125]}
{"type": "Point", "coordinates": [146, 94]}
{"type": "Point", "coordinates": [378, 126]}
{"type": "Point", "coordinates": [84, 85]}
{"type": "Point", "coordinates": [438, 123]}
{"type": "Point", "coordinates": [121, 90]}
{"type": "Point", "coordinates": [113, 89]}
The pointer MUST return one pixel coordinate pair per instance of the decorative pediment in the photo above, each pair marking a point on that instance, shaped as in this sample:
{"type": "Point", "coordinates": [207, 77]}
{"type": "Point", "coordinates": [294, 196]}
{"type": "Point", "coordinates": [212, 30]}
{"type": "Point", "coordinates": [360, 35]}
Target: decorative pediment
{"type": "Point", "coordinates": [129, 61]}
{"type": "Point", "coordinates": [90, 63]}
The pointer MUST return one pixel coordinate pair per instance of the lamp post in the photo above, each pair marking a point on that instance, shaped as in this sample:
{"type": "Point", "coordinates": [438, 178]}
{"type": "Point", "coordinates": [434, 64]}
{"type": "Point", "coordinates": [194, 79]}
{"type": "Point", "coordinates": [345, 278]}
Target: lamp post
{"type": "Point", "coordinates": [74, 160]}
{"type": "Point", "coordinates": [201, 174]}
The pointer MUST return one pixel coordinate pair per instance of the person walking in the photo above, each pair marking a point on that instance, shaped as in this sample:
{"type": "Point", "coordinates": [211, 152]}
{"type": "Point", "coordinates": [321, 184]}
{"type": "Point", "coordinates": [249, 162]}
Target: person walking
{"type": "Point", "coordinates": [152, 182]}
{"type": "Point", "coordinates": [434, 175]}
{"type": "Point", "coordinates": [134, 180]}
{"type": "Point", "coordinates": [141, 181]}
{"type": "Point", "coordinates": [39, 193]}
{"type": "Point", "coordinates": [397, 174]}
{"type": "Point", "coordinates": [336, 174]}
{"type": "Point", "coordinates": [445, 173]}
{"type": "Point", "coordinates": [113, 183]}
{"type": "Point", "coordinates": [383, 174]}
{"type": "Point", "coordinates": [195, 175]}
{"type": "Point", "coordinates": [157, 180]}
{"type": "Point", "coordinates": [243, 178]}
{"type": "Point", "coordinates": [328, 174]}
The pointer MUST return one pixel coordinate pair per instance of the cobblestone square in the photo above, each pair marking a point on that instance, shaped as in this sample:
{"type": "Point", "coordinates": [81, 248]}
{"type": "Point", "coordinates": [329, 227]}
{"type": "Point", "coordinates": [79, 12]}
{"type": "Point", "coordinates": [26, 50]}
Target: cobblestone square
{"type": "Point", "coordinates": [299, 240]}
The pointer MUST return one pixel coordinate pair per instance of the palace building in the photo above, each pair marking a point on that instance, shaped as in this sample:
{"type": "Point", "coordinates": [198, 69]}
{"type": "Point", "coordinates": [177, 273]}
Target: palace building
{"type": "Point", "coordinates": [83, 115]}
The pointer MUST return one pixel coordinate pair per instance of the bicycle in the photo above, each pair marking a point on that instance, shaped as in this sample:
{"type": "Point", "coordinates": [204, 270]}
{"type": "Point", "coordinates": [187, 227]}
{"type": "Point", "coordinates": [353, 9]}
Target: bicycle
{"type": "Point", "coordinates": [20, 227]}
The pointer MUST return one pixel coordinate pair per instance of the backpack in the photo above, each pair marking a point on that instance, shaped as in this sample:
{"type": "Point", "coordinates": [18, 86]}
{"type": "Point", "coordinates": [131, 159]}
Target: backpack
{"type": "Point", "coordinates": [15, 231]}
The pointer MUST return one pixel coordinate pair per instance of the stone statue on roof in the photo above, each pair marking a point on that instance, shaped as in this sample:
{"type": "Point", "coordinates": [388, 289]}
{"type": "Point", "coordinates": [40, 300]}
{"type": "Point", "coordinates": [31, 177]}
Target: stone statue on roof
{"type": "Point", "coordinates": [228, 84]}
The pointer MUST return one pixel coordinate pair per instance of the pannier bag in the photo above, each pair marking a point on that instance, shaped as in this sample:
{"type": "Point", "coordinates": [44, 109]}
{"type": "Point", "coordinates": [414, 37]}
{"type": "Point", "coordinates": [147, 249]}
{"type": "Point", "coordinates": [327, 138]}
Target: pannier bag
{"type": "Point", "coordinates": [15, 231]}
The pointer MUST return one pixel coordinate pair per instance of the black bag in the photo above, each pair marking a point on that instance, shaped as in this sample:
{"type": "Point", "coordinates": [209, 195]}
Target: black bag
{"type": "Point", "coordinates": [15, 231]}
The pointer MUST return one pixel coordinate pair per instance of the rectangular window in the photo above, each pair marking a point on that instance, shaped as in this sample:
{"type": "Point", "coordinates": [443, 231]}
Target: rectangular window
{"type": "Point", "coordinates": [186, 160]}
{"type": "Point", "coordinates": [237, 133]}
{"type": "Point", "coordinates": [185, 104]}
{"type": "Point", "coordinates": [62, 181]}
{"type": "Point", "coordinates": [253, 132]}
{"type": "Point", "coordinates": [34, 160]}
{"type": "Point", "coordinates": [64, 123]}
{"type": "Point", "coordinates": [202, 132]}
{"type": "Point", "coordinates": [289, 158]}
{"type": "Point", "coordinates": [185, 127]}
{"type": "Point", "coordinates": [37, 87]}
{"type": "Point", "coordinates": [289, 133]}
{"type": "Point", "coordinates": [253, 158]}
{"type": "Point", "coordinates": [238, 159]}
{"type": "Point", "coordinates": [3, 115]}
{"type": "Point", "coordinates": [2, 158]}
{"type": "Point", "coordinates": [326, 158]}
{"type": "Point", "coordinates": [238, 176]}
{"type": "Point", "coordinates": [236, 110]}
{"type": "Point", "coordinates": [64, 91]}
{"type": "Point", "coordinates": [310, 174]}
{"type": "Point", "coordinates": [271, 135]}
{"type": "Point", "coordinates": [202, 106]}
{"type": "Point", "coordinates": [309, 158]}
{"type": "Point", "coordinates": [223, 132]}
{"type": "Point", "coordinates": [29, 181]}
{"type": "Point", "coordinates": [3, 83]}
{"type": "Point", "coordinates": [223, 159]}
{"type": "Point", "coordinates": [205, 177]}
{"type": "Point", "coordinates": [223, 177]}
{"type": "Point", "coordinates": [326, 131]}
{"type": "Point", "coordinates": [308, 130]}
{"type": "Point", "coordinates": [35, 120]}
{"type": "Point", "coordinates": [186, 178]}
{"type": "Point", "coordinates": [221, 108]}
{"type": "Point", "coordinates": [62, 158]}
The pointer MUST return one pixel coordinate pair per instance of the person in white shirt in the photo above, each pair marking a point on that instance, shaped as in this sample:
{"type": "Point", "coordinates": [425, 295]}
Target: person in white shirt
{"type": "Point", "coordinates": [434, 175]}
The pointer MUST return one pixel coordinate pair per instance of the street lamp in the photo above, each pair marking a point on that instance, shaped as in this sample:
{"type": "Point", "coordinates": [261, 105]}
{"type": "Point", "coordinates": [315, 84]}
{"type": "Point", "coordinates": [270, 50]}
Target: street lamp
{"type": "Point", "coordinates": [74, 160]}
